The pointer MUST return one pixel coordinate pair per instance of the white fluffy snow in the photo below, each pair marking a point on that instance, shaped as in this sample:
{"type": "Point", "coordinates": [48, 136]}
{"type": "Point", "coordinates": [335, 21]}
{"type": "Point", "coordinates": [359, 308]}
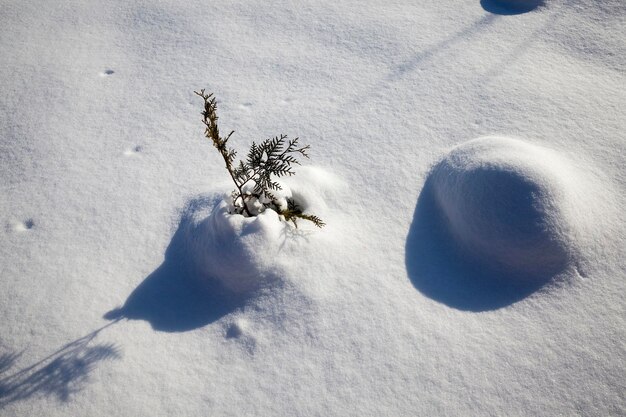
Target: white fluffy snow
{"type": "Point", "coordinates": [114, 251]}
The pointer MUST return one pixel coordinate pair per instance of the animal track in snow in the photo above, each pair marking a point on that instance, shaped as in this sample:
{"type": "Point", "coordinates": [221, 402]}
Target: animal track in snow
{"type": "Point", "coordinates": [238, 331]}
{"type": "Point", "coordinates": [24, 226]}
{"type": "Point", "coordinates": [135, 150]}
{"type": "Point", "coordinates": [248, 105]}
{"type": "Point", "coordinates": [235, 330]}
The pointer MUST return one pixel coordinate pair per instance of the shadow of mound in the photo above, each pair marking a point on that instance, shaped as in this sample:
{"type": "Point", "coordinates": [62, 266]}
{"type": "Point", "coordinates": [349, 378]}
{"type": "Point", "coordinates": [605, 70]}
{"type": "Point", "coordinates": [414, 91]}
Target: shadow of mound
{"type": "Point", "coordinates": [171, 298]}
{"type": "Point", "coordinates": [510, 7]}
{"type": "Point", "coordinates": [440, 271]}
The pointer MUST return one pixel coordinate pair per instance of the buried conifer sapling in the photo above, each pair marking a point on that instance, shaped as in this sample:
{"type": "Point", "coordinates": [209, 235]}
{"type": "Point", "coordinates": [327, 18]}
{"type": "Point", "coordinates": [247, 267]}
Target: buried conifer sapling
{"type": "Point", "coordinates": [256, 187]}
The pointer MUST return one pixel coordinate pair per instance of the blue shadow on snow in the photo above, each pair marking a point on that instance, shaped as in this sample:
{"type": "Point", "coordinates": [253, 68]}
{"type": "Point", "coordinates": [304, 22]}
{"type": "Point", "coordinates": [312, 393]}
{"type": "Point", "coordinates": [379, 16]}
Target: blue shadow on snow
{"type": "Point", "coordinates": [171, 299]}
{"type": "Point", "coordinates": [61, 374]}
{"type": "Point", "coordinates": [510, 7]}
{"type": "Point", "coordinates": [440, 271]}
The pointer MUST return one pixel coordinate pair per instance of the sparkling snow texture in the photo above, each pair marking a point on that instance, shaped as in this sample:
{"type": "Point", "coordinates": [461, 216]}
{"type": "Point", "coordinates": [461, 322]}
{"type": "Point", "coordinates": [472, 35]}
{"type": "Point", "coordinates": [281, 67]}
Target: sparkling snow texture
{"type": "Point", "coordinates": [114, 250]}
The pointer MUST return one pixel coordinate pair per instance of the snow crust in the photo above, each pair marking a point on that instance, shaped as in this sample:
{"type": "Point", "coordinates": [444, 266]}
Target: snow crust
{"type": "Point", "coordinates": [507, 203]}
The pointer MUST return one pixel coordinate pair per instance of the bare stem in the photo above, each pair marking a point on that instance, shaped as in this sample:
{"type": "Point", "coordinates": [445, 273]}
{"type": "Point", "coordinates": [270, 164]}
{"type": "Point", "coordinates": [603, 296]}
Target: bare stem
{"type": "Point", "coordinates": [209, 118]}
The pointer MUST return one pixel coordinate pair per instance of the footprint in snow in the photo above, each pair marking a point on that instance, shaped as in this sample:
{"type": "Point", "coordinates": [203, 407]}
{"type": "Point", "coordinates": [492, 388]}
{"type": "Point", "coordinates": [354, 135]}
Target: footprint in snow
{"type": "Point", "coordinates": [107, 72]}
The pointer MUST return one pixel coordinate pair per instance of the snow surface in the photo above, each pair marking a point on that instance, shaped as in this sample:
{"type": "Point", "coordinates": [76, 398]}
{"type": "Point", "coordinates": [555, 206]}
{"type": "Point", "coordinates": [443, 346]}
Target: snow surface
{"type": "Point", "coordinates": [106, 178]}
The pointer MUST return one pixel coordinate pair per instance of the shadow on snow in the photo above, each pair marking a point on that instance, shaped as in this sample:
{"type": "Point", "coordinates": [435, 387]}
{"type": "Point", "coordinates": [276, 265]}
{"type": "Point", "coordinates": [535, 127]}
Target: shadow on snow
{"type": "Point", "coordinates": [430, 52]}
{"type": "Point", "coordinates": [510, 7]}
{"type": "Point", "coordinates": [170, 298]}
{"type": "Point", "coordinates": [61, 374]}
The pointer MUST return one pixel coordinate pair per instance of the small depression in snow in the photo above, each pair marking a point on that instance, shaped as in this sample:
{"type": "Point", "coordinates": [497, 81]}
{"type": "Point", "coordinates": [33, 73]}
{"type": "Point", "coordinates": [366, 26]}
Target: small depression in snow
{"type": "Point", "coordinates": [496, 221]}
{"type": "Point", "coordinates": [27, 224]}
{"type": "Point", "coordinates": [133, 151]}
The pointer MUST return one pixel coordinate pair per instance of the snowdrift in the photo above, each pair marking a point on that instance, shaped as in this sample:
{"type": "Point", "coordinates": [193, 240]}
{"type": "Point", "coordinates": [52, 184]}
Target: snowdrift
{"type": "Point", "coordinates": [505, 202]}
{"type": "Point", "coordinates": [504, 213]}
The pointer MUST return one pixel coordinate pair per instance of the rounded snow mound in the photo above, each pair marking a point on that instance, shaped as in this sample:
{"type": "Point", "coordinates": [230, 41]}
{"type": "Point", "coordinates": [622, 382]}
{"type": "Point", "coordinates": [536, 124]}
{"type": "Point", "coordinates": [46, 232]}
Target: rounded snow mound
{"type": "Point", "coordinates": [507, 205]}
{"type": "Point", "coordinates": [235, 250]}
{"type": "Point", "coordinates": [245, 254]}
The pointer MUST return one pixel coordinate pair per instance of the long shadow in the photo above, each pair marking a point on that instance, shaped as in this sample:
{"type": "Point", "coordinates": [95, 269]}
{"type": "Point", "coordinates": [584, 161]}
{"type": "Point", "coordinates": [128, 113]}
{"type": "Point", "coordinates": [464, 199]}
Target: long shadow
{"type": "Point", "coordinates": [171, 298]}
{"type": "Point", "coordinates": [61, 374]}
{"type": "Point", "coordinates": [422, 56]}
{"type": "Point", "coordinates": [441, 271]}
{"type": "Point", "coordinates": [525, 44]}
{"type": "Point", "coordinates": [510, 7]}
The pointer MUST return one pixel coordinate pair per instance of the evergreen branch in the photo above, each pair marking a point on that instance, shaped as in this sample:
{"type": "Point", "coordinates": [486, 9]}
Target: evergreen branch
{"type": "Point", "coordinates": [272, 157]}
{"type": "Point", "coordinates": [293, 212]}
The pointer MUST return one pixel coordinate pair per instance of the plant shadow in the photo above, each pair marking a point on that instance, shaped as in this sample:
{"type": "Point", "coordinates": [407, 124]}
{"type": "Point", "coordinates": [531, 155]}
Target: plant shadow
{"type": "Point", "coordinates": [61, 374]}
{"type": "Point", "coordinates": [510, 7]}
{"type": "Point", "coordinates": [442, 272]}
{"type": "Point", "coordinates": [171, 298]}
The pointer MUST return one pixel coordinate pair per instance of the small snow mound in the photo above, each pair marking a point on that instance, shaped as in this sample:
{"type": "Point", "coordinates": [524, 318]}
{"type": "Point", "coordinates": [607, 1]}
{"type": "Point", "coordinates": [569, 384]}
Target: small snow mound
{"type": "Point", "coordinates": [314, 188]}
{"type": "Point", "coordinates": [246, 254]}
{"type": "Point", "coordinates": [238, 251]}
{"type": "Point", "coordinates": [507, 205]}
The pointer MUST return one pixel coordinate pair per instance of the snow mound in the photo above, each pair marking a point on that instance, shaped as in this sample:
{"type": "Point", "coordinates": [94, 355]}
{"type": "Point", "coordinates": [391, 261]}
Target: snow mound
{"type": "Point", "coordinates": [233, 249]}
{"type": "Point", "coordinates": [507, 205]}
{"type": "Point", "coordinates": [244, 253]}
